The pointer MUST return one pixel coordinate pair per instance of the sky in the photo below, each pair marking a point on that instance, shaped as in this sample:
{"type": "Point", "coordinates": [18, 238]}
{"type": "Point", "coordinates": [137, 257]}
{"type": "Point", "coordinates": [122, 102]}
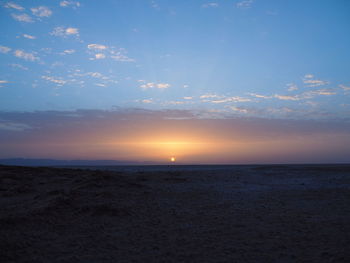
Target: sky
{"type": "Point", "coordinates": [225, 81]}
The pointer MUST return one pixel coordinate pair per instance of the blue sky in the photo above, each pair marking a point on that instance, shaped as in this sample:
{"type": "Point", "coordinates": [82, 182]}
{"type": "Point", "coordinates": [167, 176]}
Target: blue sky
{"type": "Point", "coordinates": [265, 58]}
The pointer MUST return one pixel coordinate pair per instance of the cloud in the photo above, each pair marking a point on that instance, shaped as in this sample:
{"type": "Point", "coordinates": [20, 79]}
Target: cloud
{"type": "Point", "coordinates": [210, 5]}
{"type": "Point", "coordinates": [100, 56]}
{"type": "Point", "coordinates": [188, 98]}
{"type": "Point", "coordinates": [64, 32]}
{"type": "Point", "coordinates": [14, 127]}
{"type": "Point", "coordinates": [122, 57]}
{"type": "Point", "coordinates": [345, 88]}
{"type": "Point", "coordinates": [292, 87]}
{"type": "Point", "coordinates": [41, 11]}
{"type": "Point", "coordinates": [245, 4]}
{"type": "Point", "coordinates": [208, 96]}
{"type": "Point", "coordinates": [18, 66]}
{"type": "Point", "coordinates": [214, 98]}
{"type": "Point", "coordinates": [58, 81]}
{"type": "Point", "coordinates": [147, 101]}
{"type": "Point", "coordinates": [23, 18]}
{"type": "Point", "coordinates": [97, 47]}
{"type": "Point", "coordinates": [29, 36]}
{"type": "Point", "coordinates": [231, 99]}
{"type": "Point", "coordinates": [320, 92]}
{"type": "Point", "coordinates": [73, 4]}
{"type": "Point", "coordinates": [260, 96]}
{"type": "Point", "coordinates": [151, 85]}
{"type": "Point", "coordinates": [309, 81]}
{"type": "Point", "coordinates": [68, 52]}
{"type": "Point", "coordinates": [26, 56]}
{"type": "Point", "coordinates": [4, 49]}
{"type": "Point", "coordinates": [112, 52]}
{"type": "Point", "coordinates": [14, 6]}
{"type": "Point", "coordinates": [287, 97]}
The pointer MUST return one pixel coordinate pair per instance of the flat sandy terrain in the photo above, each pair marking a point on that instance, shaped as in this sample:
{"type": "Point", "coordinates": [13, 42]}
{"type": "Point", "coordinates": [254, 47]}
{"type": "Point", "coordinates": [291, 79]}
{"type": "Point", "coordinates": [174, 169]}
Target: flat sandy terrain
{"type": "Point", "coordinates": [203, 214]}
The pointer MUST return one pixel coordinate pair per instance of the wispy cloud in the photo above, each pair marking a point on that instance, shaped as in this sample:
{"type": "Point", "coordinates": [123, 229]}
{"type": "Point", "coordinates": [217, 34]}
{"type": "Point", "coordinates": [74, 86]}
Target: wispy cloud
{"type": "Point", "coordinates": [287, 97]}
{"type": "Point", "coordinates": [97, 47]}
{"type": "Point", "coordinates": [310, 81]}
{"type": "Point", "coordinates": [152, 85]}
{"type": "Point", "coordinates": [345, 88]}
{"type": "Point", "coordinates": [18, 66]}
{"type": "Point", "coordinates": [3, 81]}
{"type": "Point", "coordinates": [14, 126]}
{"type": "Point", "coordinates": [64, 32]}
{"type": "Point", "coordinates": [292, 87]}
{"type": "Point", "coordinates": [68, 52]}
{"type": "Point", "coordinates": [41, 11]}
{"type": "Point", "coordinates": [73, 4]}
{"type": "Point", "coordinates": [111, 52]}
{"type": "Point", "coordinates": [245, 4]}
{"type": "Point", "coordinates": [100, 56]}
{"type": "Point", "coordinates": [4, 49]}
{"type": "Point", "coordinates": [231, 99]}
{"type": "Point", "coordinates": [28, 36]}
{"type": "Point", "coordinates": [26, 56]}
{"type": "Point", "coordinates": [14, 6]}
{"type": "Point", "coordinates": [22, 18]}
{"type": "Point", "coordinates": [58, 81]}
{"type": "Point", "coordinates": [213, 4]}
{"type": "Point", "coordinates": [260, 96]}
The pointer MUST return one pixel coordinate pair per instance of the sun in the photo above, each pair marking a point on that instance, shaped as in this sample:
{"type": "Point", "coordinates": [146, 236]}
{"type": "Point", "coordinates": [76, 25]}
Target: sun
{"type": "Point", "coordinates": [172, 159]}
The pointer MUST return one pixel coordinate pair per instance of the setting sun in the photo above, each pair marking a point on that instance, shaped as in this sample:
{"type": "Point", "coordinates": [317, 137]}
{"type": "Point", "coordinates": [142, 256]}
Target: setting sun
{"type": "Point", "coordinates": [172, 159]}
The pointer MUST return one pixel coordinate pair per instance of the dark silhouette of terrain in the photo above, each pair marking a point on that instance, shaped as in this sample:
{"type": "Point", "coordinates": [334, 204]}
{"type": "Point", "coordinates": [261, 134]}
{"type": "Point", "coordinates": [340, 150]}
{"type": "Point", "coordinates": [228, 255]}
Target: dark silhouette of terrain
{"type": "Point", "coordinates": [234, 214]}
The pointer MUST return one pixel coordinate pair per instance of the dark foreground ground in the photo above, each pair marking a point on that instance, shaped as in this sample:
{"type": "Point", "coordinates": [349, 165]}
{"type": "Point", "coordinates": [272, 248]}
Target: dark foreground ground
{"type": "Point", "coordinates": [233, 214]}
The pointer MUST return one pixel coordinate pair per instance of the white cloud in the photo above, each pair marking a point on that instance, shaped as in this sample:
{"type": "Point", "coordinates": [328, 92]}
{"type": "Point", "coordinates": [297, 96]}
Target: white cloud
{"type": "Point", "coordinates": [121, 57]}
{"type": "Point", "coordinates": [23, 18]}
{"type": "Point", "coordinates": [3, 81]}
{"type": "Point", "coordinates": [287, 97]}
{"type": "Point", "coordinates": [210, 5]}
{"type": "Point", "coordinates": [19, 66]}
{"type": "Point", "coordinates": [345, 88]}
{"type": "Point", "coordinates": [64, 32]}
{"type": "Point", "coordinates": [27, 56]}
{"type": "Point", "coordinates": [292, 87]}
{"type": "Point", "coordinates": [100, 56]}
{"type": "Point", "coordinates": [14, 6]}
{"type": "Point", "coordinates": [245, 4]}
{"type": "Point", "coordinates": [151, 85]}
{"type": "Point", "coordinates": [29, 36]}
{"type": "Point", "coordinates": [324, 92]}
{"type": "Point", "coordinates": [73, 4]}
{"type": "Point", "coordinates": [72, 31]}
{"type": "Point", "coordinates": [100, 84]}
{"type": "Point", "coordinates": [58, 81]}
{"type": "Point", "coordinates": [231, 99]}
{"type": "Point", "coordinates": [240, 109]}
{"type": "Point", "coordinates": [147, 101]}
{"type": "Point", "coordinates": [4, 49]}
{"type": "Point", "coordinates": [41, 11]}
{"type": "Point", "coordinates": [68, 52]}
{"type": "Point", "coordinates": [309, 81]}
{"type": "Point", "coordinates": [188, 98]}
{"type": "Point", "coordinates": [260, 96]}
{"type": "Point", "coordinates": [209, 96]}
{"type": "Point", "coordinates": [97, 47]}
{"type": "Point", "coordinates": [309, 76]}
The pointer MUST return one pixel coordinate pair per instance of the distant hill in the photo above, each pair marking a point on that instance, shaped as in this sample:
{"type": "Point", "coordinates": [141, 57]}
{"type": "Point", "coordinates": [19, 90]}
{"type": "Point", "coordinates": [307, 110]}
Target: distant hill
{"type": "Point", "coordinates": [53, 162]}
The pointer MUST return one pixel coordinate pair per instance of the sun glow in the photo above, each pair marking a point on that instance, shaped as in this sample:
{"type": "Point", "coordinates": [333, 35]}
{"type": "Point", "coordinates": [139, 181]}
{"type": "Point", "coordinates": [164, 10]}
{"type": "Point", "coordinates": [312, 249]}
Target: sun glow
{"type": "Point", "coordinates": [172, 159]}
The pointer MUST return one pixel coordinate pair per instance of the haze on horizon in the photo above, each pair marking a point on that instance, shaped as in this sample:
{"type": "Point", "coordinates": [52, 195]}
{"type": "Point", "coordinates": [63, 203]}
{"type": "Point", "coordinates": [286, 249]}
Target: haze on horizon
{"type": "Point", "coordinates": [225, 81]}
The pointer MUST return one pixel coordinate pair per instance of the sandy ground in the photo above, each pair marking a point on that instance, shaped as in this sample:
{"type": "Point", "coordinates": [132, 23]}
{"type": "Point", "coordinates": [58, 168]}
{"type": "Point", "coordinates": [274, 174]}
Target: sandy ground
{"type": "Point", "coordinates": [233, 214]}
